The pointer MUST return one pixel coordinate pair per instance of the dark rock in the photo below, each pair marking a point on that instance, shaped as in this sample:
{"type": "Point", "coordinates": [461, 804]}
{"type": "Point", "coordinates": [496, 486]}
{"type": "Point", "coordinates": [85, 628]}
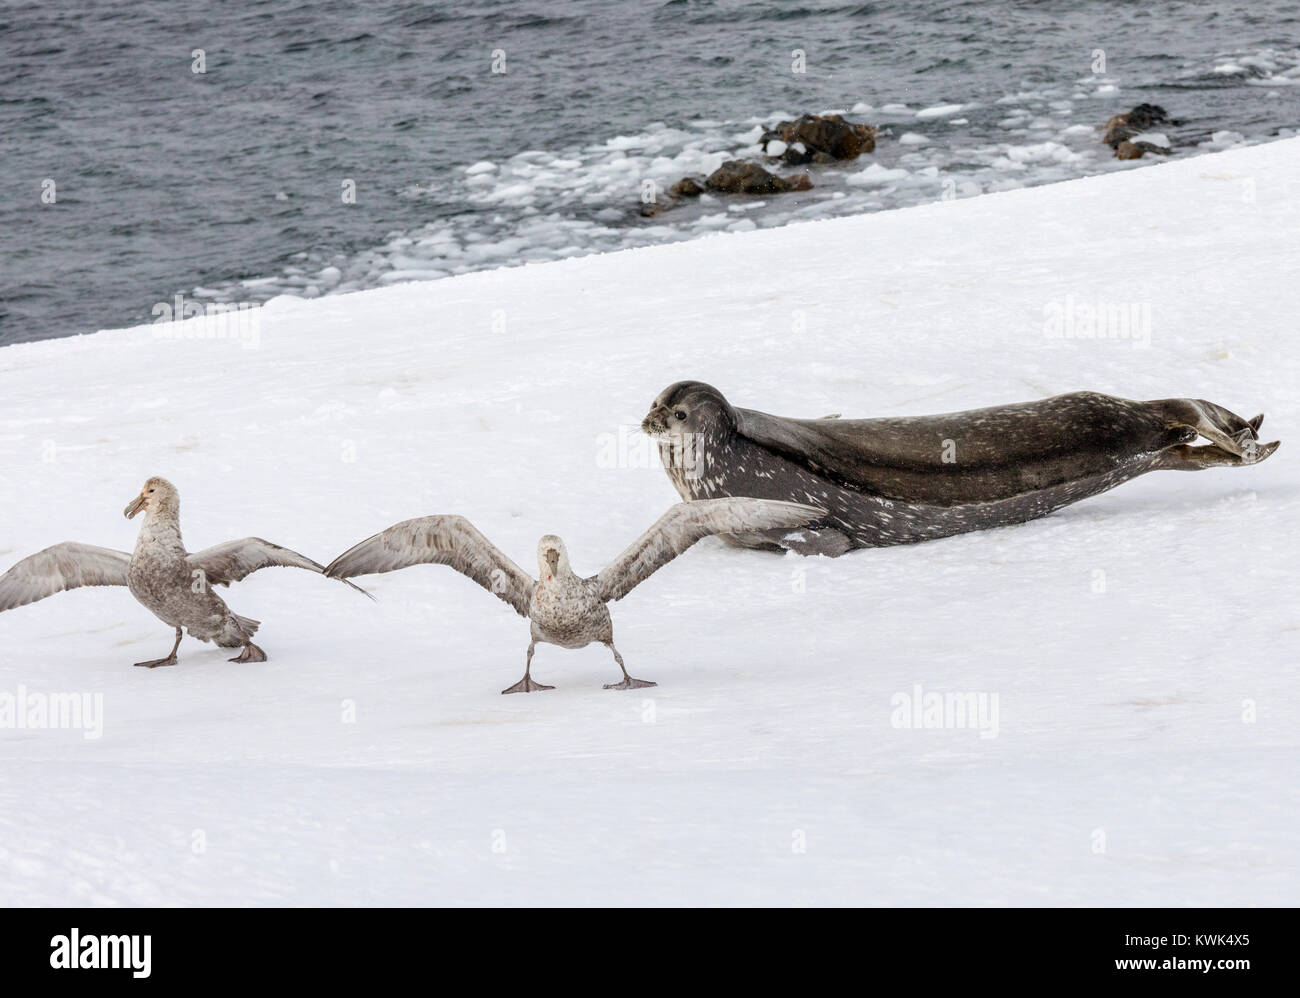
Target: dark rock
{"type": "Point", "coordinates": [797, 155]}
{"type": "Point", "coordinates": [828, 135]}
{"type": "Point", "coordinates": [739, 177]}
{"type": "Point", "coordinates": [1136, 150]}
{"type": "Point", "coordinates": [687, 187]}
{"type": "Point", "coordinates": [1142, 118]}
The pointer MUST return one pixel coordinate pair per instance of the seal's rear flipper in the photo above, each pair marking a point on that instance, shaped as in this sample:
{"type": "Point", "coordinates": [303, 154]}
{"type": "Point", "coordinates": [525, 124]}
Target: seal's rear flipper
{"type": "Point", "coordinates": [1258, 452]}
{"type": "Point", "coordinates": [1187, 458]}
{"type": "Point", "coordinates": [1216, 424]}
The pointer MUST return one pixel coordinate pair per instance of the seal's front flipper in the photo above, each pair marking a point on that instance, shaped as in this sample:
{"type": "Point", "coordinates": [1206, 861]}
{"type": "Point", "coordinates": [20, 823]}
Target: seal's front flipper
{"type": "Point", "coordinates": [828, 542]}
{"type": "Point", "coordinates": [752, 542]}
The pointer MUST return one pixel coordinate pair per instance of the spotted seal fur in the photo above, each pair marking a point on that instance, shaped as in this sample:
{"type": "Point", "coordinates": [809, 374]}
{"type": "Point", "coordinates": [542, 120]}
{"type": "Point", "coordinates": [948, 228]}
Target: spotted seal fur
{"type": "Point", "coordinates": [899, 480]}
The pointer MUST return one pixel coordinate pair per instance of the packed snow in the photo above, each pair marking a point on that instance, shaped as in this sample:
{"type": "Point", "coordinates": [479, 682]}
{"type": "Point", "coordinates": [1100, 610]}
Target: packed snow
{"type": "Point", "coordinates": [1128, 662]}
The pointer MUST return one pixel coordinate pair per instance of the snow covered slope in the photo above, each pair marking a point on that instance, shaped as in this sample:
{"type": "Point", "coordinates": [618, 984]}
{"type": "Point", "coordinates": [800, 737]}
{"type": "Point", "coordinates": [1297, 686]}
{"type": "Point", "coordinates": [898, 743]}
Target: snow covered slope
{"type": "Point", "coordinates": [1141, 646]}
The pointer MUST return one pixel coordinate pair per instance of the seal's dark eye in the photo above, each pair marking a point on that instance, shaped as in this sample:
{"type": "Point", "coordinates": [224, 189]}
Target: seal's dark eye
{"type": "Point", "coordinates": [680, 414]}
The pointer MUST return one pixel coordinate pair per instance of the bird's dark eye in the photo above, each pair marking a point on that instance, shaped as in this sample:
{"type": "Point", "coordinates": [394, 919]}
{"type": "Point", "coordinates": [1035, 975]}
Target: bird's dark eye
{"type": "Point", "coordinates": [680, 414]}
{"type": "Point", "coordinates": [151, 491]}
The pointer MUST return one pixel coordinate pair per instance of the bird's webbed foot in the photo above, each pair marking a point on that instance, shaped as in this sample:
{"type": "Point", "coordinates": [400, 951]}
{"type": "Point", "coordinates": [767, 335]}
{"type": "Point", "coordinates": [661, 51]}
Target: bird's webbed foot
{"type": "Point", "coordinates": [156, 663]}
{"type": "Point", "coordinates": [169, 660]}
{"type": "Point", "coordinates": [251, 653]}
{"type": "Point", "coordinates": [527, 685]}
{"type": "Point", "coordinates": [630, 684]}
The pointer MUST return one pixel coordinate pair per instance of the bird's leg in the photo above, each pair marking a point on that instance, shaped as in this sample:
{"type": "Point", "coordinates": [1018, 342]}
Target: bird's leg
{"type": "Point", "coordinates": [526, 685]}
{"type": "Point", "coordinates": [169, 660]}
{"type": "Point", "coordinates": [628, 682]}
{"type": "Point", "coordinates": [251, 653]}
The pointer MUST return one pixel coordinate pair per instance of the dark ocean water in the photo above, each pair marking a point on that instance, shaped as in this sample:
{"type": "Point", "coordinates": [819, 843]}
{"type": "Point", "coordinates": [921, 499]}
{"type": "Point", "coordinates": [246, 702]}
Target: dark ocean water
{"type": "Point", "coordinates": [227, 185]}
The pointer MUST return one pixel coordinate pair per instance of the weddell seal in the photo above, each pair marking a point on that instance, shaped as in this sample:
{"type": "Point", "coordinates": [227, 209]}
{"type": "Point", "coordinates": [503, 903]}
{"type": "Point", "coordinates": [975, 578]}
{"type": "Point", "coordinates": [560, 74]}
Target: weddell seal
{"type": "Point", "coordinates": [900, 480]}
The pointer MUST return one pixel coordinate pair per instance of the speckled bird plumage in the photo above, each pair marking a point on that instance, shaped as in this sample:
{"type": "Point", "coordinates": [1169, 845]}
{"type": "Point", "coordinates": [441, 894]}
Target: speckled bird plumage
{"type": "Point", "coordinates": [563, 609]}
{"type": "Point", "coordinates": [165, 582]}
{"type": "Point", "coordinates": [174, 585]}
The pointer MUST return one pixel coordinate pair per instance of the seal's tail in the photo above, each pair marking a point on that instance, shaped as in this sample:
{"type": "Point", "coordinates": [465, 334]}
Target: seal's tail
{"type": "Point", "coordinates": [1233, 440]}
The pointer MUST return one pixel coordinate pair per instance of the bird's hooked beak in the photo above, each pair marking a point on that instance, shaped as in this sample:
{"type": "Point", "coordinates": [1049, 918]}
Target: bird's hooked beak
{"type": "Point", "coordinates": [553, 559]}
{"type": "Point", "coordinates": [134, 506]}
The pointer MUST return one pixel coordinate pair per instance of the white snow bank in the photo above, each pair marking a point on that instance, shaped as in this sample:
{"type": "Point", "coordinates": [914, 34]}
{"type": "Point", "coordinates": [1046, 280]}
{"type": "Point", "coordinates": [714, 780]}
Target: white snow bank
{"type": "Point", "coordinates": [1141, 645]}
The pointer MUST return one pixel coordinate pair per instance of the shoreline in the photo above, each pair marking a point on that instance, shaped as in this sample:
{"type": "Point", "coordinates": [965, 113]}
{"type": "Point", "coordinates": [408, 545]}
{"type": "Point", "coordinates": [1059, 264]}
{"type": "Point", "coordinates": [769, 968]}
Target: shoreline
{"type": "Point", "coordinates": [284, 302]}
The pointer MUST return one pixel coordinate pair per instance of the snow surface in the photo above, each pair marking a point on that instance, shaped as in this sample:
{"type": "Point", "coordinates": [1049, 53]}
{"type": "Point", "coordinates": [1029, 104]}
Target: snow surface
{"type": "Point", "coordinates": [1126, 637]}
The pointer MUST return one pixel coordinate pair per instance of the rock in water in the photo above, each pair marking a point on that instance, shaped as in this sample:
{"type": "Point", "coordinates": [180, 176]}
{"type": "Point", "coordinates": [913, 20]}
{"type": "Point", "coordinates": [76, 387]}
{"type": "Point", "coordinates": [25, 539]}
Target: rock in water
{"type": "Point", "coordinates": [1122, 129]}
{"type": "Point", "coordinates": [687, 187]}
{"type": "Point", "coordinates": [738, 177]}
{"type": "Point", "coordinates": [1136, 150]}
{"type": "Point", "coordinates": [818, 138]}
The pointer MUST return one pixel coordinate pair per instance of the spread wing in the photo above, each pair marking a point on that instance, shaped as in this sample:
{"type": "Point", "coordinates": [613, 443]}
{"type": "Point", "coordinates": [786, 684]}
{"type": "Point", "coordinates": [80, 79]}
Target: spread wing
{"type": "Point", "coordinates": [63, 566]}
{"type": "Point", "coordinates": [225, 563]}
{"type": "Point", "coordinates": [688, 522]}
{"type": "Point", "coordinates": [440, 540]}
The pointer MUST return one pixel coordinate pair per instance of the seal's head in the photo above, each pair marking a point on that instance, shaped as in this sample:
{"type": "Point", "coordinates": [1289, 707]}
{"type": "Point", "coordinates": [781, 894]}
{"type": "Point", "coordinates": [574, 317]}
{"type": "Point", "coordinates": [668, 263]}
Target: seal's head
{"type": "Point", "coordinates": [552, 558]}
{"type": "Point", "coordinates": [158, 495]}
{"type": "Point", "coordinates": [689, 409]}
